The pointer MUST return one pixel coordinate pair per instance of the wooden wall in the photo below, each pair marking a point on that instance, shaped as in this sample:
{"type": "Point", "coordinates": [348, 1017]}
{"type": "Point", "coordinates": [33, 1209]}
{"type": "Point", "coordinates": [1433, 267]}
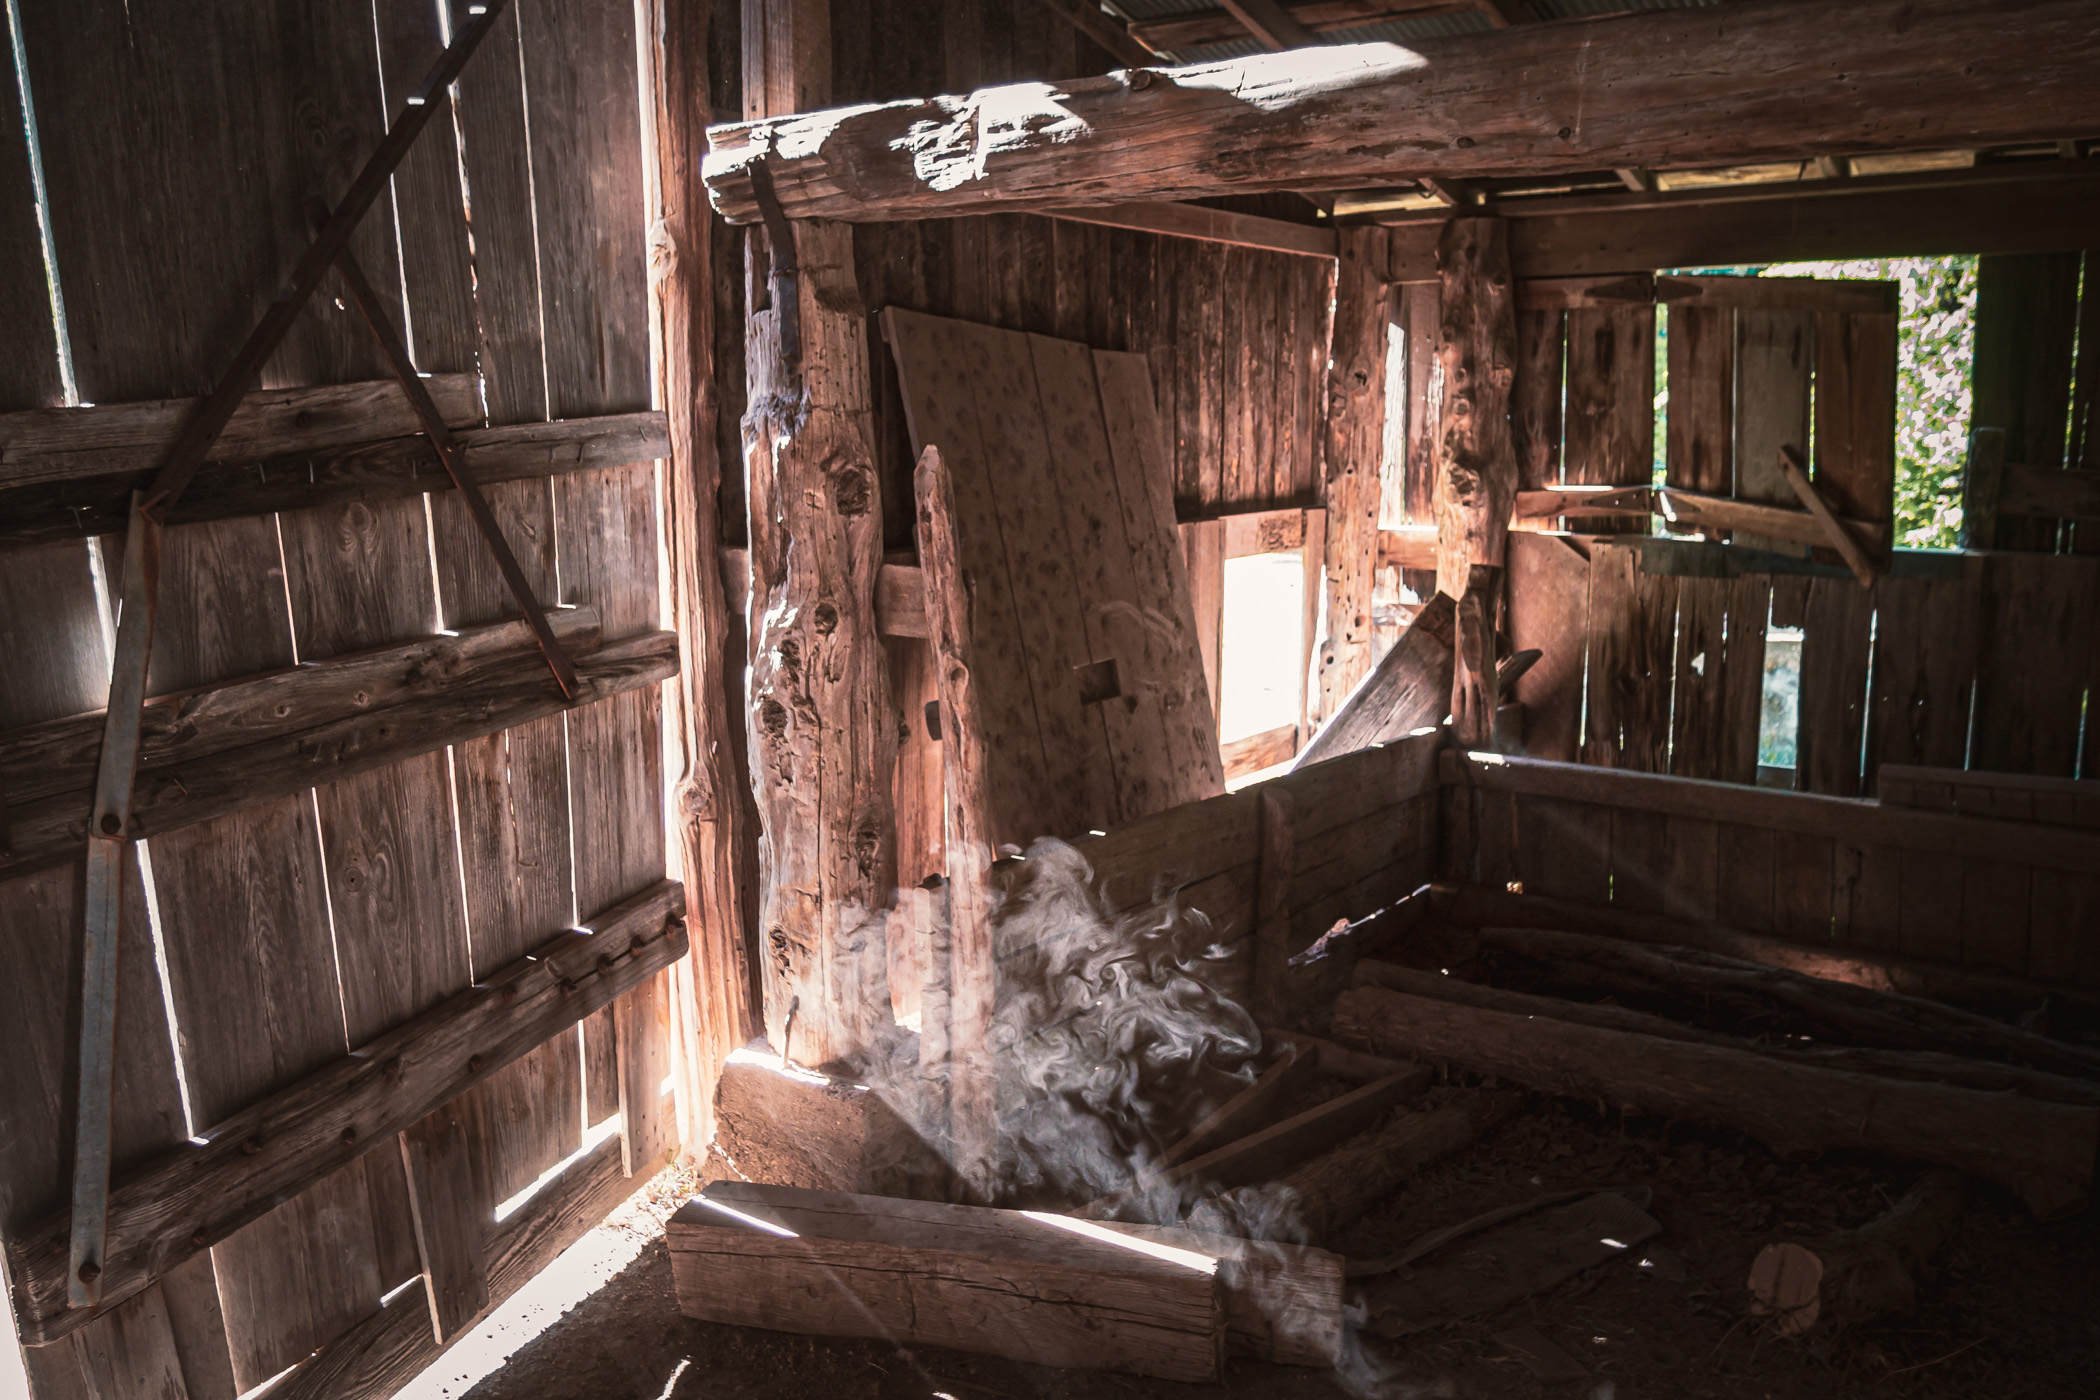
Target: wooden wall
{"type": "Point", "coordinates": [178, 148]}
{"type": "Point", "coordinates": [2020, 897]}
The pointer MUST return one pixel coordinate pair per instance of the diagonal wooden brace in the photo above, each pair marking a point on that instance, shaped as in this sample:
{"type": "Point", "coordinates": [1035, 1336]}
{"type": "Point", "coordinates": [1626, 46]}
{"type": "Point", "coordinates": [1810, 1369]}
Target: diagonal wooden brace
{"type": "Point", "coordinates": [108, 843]}
{"type": "Point", "coordinates": [1841, 539]}
{"type": "Point", "coordinates": [426, 410]}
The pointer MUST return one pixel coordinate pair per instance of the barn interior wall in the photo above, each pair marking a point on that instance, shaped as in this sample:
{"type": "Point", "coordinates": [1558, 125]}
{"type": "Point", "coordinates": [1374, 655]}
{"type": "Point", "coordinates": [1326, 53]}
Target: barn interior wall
{"type": "Point", "coordinates": [177, 153]}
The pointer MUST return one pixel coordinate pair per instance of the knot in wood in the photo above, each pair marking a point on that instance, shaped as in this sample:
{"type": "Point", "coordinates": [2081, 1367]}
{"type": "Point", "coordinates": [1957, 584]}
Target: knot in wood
{"type": "Point", "coordinates": [349, 1136]}
{"type": "Point", "coordinates": [773, 717]}
{"type": "Point", "coordinates": [474, 1061]}
{"type": "Point", "coordinates": [1464, 143]}
{"type": "Point", "coordinates": [867, 843]}
{"type": "Point", "coordinates": [852, 488]}
{"type": "Point", "coordinates": [826, 618]}
{"type": "Point", "coordinates": [783, 950]}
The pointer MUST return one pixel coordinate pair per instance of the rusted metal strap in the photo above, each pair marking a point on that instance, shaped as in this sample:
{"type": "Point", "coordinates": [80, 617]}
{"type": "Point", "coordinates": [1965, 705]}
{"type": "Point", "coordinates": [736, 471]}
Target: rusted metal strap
{"type": "Point", "coordinates": [786, 267]}
{"type": "Point", "coordinates": [108, 842]}
{"type": "Point", "coordinates": [426, 410]}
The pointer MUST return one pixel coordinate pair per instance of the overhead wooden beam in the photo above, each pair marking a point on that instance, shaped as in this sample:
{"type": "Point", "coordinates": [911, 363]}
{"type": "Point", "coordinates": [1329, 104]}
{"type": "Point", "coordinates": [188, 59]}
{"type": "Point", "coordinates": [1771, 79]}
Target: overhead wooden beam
{"type": "Point", "coordinates": [340, 739]}
{"type": "Point", "coordinates": [823, 734]}
{"type": "Point", "coordinates": [1111, 34]}
{"type": "Point", "coordinates": [198, 1193]}
{"type": "Point", "coordinates": [2018, 208]}
{"type": "Point", "coordinates": [1209, 225]}
{"type": "Point", "coordinates": [1744, 82]}
{"type": "Point", "coordinates": [1269, 22]}
{"type": "Point", "coordinates": [351, 466]}
{"type": "Point", "coordinates": [1200, 27]}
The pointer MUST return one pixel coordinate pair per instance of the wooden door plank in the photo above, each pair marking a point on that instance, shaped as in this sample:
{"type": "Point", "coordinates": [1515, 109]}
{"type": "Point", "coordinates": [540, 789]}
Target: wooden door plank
{"type": "Point", "coordinates": [1924, 667]}
{"type": "Point", "coordinates": [1611, 403]}
{"type": "Point", "coordinates": [1775, 353]}
{"type": "Point", "coordinates": [1996, 908]}
{"type": "Point", "coordinates": [2036, 632]}
{"type": "Point", "coordinates": [1082, 476]}
{"type": "Point", "coordinates": [1701, 415]}
{"type": "Point", "coordinates": [448, 1196]}
{"type": "Point", "coordinates": [1866, 900]}
{"type": "Point", "coordinates": [1143, 482]}
{"type": "Point", "coordinates": [1855, 458]}
{"type": "Point", "coordinates": [936, 375]}
{"type": "Point", "coordinates": [1549, 609]}
{"type": "Point", "coordinates": [1632, 632]}
{"type": "Point", "coordinates": [1535, 408]}
{"type": "Point", "coordinates": [1833, 696]}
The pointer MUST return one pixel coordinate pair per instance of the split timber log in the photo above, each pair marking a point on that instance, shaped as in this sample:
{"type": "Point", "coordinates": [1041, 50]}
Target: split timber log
{"type": "Point", "coordinates": [1856, 1276]}
{"type": "Point", "coordinates": [1031, 1287]}
{"type": "Point", "coordinates": [2042, 1152]}
{"type": "Point", "coordinates": [823, 733]}
{"type": "Point", "coordinates": [1748, 82]}
{"type": "Point", "coordinates": [355, 466]}
{"type": "Point", "coordinates": [195, 1195]}
{"type": "Point", "coordinates": [1923, 1066]}
{"type": "Point", "coordinates": [1856, 1015]}
{"type": "Point", "coordinates": [1993, 993]}
{"type": "Point", "coordinates": [1408, 689]}
{"type": "Point", "coordinates": [1332, 1190]}
{"type": "Point", "coordinates": [338, 742]}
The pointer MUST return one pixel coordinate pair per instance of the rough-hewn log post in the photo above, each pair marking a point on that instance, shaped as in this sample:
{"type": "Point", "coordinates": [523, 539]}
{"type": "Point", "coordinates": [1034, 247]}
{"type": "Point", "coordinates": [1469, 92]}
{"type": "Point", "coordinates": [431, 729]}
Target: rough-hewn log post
{"type": "Point", "coordinates": [1476, 478]}
{"type": "Point", "coordinates": [823, 734]}
{"type": "Point", "coordinates": [709, 996]}
{"type": "Point", "coordinates": [1353, 445]}
{"type": "Point", "coordinates": [973, 1110]}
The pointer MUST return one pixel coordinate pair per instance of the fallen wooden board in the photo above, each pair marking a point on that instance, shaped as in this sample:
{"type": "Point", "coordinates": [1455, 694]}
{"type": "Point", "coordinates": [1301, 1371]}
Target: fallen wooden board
{"type": "Point", "coordinates": [199, 1193]}
{"type": "Point", "coordinates": [1031, 1287]}
{"type": "Point", "coordinates": [2043, 1152]}
{"type": "Point", "coordinates": [1252, 1109]}
{"type": "Point", "coordinates": [1409, 688]}
{"type": "Point", "coordinates": [1332, 1190]}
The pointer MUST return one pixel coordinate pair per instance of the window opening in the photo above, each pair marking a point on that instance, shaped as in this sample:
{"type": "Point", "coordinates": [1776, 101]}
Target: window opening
{"type": "Point", "coordinates": [1261, 646]}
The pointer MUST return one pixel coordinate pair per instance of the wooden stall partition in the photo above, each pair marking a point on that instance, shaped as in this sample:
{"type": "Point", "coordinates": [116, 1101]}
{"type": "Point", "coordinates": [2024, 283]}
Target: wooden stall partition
{"type": "Point", "coordinates": [1985, 893]}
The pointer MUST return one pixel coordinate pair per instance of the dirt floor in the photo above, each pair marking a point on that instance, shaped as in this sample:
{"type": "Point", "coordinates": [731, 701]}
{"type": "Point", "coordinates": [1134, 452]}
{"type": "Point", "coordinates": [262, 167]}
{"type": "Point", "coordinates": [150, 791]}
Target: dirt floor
{"type": "Point", "coordinates": [2013, 1309]}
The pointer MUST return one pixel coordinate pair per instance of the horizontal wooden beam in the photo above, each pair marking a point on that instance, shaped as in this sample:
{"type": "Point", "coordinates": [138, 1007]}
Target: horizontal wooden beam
{"type": "Point", "coordinates": [342, 469]}
{"type": "Point", "coordinates": [2014, 208]}
{"type": "Point", "coordinates": [197, 1194]}
{"type": "Point", "coordinates": [1198, 28]}
{"type": "Point", "coordinates": [1683, 508]}
{"type": "Point", "coordinates": [2020, 797]}
{"type": "Point", "coordinates": [1744, 82]}
{"type": "Point", "coordinates": [343, 741]}
{"type": "Point", "coordinates": [61, 444]}
{"type": "Point", "coordinates": [40, 760]}
{"type": "Point", "coordinates": [1209, 226]}
{"type": "Point", "coordinates": [1848, 819]}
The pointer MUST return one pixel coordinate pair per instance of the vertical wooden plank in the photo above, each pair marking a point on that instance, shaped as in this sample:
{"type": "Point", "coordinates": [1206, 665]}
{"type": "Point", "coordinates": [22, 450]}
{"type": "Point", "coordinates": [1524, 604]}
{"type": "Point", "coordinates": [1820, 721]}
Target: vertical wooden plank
{"type": "Point", "coordinates": [2036, 629]}
{"type": "Point", "coordinates": [1698, 737]}
{"type": "Point", "coordinates": [1802, 886]}
{"type": "Point", "coordinates": [1855, 457]}
{"type": "Point", "coordinates": [1640, 860]}
{"type": "Point", "coordinates": [448, 1199]}
{"type": "Point", "coordinates": [1276, 863]}
{"type": "Point", "coordinates": [1353, 444]}
{"type": "Point", "coordinates": [1633, 625]}
{"type": "Point", "coordinates": [1420, 313]}
{"type": "Point", "coordinates": [1745, 884]}
{"type": "Point", "coordinates": [1535, 407]}
{"type": "Point", "coordinates": [1924, 667]}
{"type": "Point", "coordinates": [936, 377]}
{"type": "Point", "coordinates": [1239, 472]}
{"type": "Point", "coordinates": [1701, 415]}
{"type": "Point", "coordinates": [131, 1355]}
{"type": "Point", "coordinates": [2026, 324]}
{"type": "Point", "coordinates": [1867, 899]}
{"type": "Point", "coordinates": [1610, 430]}
{"type": "Point", "coordinates": [1929, 907]}
{"type": "Point", "coordinates": [1996, 906]}
{"type": "Point", "coordinates": [1833, 699]}
{"type": "Point", "coordinates": [1181, 682]}
{"type": "Point", "coordinates": [1203, 547]}
{"type": "Point", "coordinates": [1775, 353]}
{"type": "Point", "coordinates": [1564, 849]}
{"type": "Point", "coordinates": [1691, 866]}
{"type": "Point", "coordinates": [1549, 608]}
